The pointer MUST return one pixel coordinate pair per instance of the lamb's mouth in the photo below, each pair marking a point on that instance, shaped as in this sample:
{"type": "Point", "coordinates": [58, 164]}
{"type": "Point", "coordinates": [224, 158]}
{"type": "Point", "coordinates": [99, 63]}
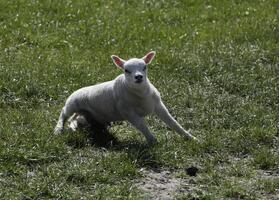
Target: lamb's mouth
{"type": "Point", "coordinates": [138, 81]}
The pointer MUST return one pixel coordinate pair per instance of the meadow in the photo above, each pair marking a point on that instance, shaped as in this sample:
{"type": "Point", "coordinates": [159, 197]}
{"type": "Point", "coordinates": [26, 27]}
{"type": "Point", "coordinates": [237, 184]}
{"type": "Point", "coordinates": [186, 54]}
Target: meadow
{"type": "Point", "coordinates": [216, 69]}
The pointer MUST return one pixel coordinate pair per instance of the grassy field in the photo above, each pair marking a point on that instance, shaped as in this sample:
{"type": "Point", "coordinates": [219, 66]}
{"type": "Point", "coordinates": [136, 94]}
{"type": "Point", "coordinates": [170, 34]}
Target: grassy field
{"type": "Point", "coordinates": [217, 71]}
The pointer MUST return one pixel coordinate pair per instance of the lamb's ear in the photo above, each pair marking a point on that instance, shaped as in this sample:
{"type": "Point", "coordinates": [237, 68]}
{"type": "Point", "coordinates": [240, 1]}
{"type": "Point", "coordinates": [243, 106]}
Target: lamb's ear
{"type": "Point", "coordinates": [149, 57]}
{"type": "Point", "coordinates": [118, 61]}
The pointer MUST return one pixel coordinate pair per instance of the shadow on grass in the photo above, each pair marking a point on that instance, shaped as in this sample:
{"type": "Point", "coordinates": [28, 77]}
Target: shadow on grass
{"type": "Point", "coordinates": [98, 135]}
{"type": "Point", "coordinates": [141, 154]}
{"type": "Point", "coordinates": [98, 138]}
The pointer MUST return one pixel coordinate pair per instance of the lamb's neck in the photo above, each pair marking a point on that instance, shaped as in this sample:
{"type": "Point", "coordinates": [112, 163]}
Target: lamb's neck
{"type": "Point", "coordinates": [141, 90]}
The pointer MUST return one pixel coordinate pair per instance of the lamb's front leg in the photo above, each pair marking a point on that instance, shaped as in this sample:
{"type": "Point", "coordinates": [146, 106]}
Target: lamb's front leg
{"type": "Point", "coordinates": [140, 124]}
{"type": "Point", "coordinates": [162, 112]}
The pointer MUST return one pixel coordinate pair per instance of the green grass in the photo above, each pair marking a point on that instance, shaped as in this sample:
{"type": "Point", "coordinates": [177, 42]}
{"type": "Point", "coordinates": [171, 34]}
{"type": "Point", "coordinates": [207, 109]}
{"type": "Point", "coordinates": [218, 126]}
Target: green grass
{"type": "Point", "coordinates": [217, 71]}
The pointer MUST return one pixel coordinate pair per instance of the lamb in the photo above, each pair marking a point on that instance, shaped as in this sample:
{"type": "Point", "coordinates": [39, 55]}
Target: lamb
{"type": "Point", "coordinates": [130, 96]}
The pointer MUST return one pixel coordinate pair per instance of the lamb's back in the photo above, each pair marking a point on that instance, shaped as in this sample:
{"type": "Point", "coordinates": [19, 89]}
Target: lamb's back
{"type": "Point", "coordinates": [98, 100]}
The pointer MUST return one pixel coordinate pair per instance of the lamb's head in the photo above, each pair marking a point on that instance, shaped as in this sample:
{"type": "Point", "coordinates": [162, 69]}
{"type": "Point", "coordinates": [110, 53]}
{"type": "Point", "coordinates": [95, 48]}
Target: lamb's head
{"type": "Point", "coordinates": [135, 69]}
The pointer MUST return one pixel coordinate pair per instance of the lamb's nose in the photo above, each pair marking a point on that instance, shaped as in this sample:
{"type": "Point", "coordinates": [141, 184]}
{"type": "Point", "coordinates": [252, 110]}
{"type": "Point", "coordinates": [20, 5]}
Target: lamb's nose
{"type": "Point", "coordinates": [138, 77]}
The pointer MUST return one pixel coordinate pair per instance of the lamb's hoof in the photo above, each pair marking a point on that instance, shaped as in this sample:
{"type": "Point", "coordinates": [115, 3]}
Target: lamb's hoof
{"type": "Point", "coordinates": [195, 139]}
{"type": "Point", "coordinates": [73, 126]}
{"type": "Point", "coordinates": [58, 130]}
{"type": "Point", "coordinates": [189, 136]}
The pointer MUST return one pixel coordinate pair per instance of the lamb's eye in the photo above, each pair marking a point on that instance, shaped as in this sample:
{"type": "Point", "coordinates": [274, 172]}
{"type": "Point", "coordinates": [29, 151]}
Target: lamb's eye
{"type": "Point", "coordinates": [127, 71]}
{"type": "Point", "coordinates": [144, 68]}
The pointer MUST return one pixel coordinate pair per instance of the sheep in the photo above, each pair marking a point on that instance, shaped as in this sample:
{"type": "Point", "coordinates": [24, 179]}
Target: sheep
{"type": "Point", "coordinates": [130, 96]}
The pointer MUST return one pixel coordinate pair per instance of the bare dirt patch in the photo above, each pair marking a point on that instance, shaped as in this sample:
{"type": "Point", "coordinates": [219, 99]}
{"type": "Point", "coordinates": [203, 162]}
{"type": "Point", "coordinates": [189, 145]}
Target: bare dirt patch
{"type": "Point", "coordinates": [162, 184]}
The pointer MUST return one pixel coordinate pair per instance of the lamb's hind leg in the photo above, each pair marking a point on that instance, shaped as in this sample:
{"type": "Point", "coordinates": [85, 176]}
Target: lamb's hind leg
{"type": "Point", "coordinates": [80, 120]}
{"type": "Point", "coordinates": [64, 115]}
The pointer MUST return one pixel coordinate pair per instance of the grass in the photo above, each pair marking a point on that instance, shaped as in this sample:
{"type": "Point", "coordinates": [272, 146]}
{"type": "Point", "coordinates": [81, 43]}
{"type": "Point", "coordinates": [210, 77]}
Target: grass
{"type": "Point", "coordinates": [216, 68]}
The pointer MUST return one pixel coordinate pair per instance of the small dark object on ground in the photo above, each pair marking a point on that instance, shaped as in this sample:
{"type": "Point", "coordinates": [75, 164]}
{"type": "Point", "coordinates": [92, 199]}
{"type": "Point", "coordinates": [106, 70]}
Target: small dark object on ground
{"type": "Point", "coordinates": [192, 171]}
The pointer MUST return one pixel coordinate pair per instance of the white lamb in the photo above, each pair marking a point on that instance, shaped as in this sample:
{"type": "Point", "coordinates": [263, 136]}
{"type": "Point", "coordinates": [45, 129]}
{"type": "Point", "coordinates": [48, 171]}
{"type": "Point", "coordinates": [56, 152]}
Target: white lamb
{"type": "Point", "coordinates": [130, 96]}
